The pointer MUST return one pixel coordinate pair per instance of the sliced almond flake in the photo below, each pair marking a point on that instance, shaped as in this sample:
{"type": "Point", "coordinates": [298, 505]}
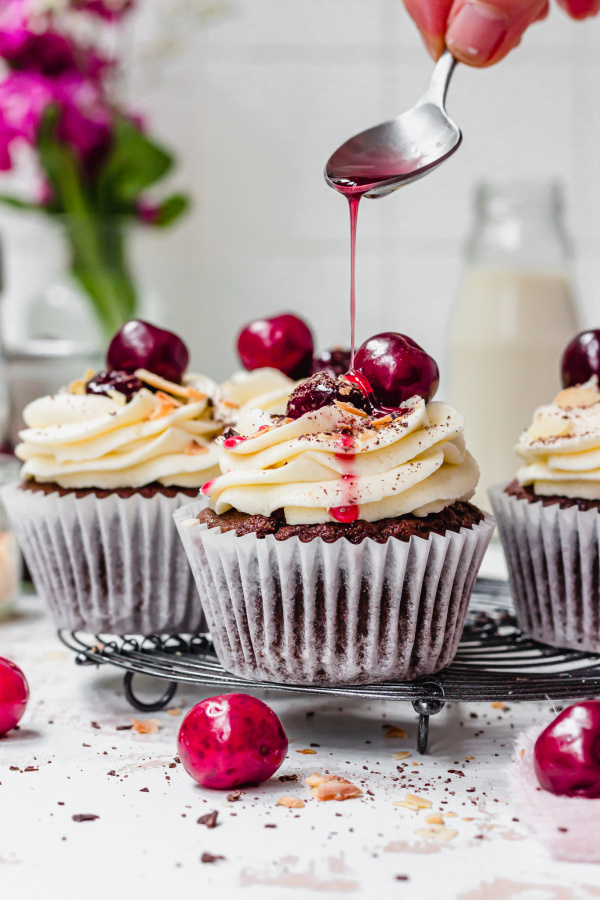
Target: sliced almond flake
{"type": "Point", "coordinates": [291, 802]}
{"type": "Point", "coordinates": [421, 802]}
{"type": "Point", "coordinates": [469, 758]}
{"type": "Point", "coordinates": [315, 779]}
{"type": "Point", "coordinates": [336, 788]}
{"type": "Point", "coordinates": [406, 804]}
{"type": "Point", "coordinates": [577, 396]}
{"type": "Point", "coordinates": [379, 423]}
{"type": "Point", "coordinates": [435, 819]}
{"type": "Point", "coordinates": [394, 731]}
{"type": "Point", "coordinates": [499, 705]}
{"type": "Point", "coordinates": [162, 384]}
{"type": "Point", "coordinates": [307, 752]}
{"type": "Point", "coordinates": [549, 427]}
{"type": "Point", "coordinates": [451, 815]}
{"type": "Point", "coordinates": [230, 404]}
{"type": "Point", "coordinates": [367, 434]}
{"type": "Point", "coordinates": [467, 818]}
{"type": "Point", "coordinates": [401, 754]}
{"type": "Point", "coordinates": [436, 833]}
{"type": "Point", "coordinates": [149, 726]}
{"type": "Point", "coordinates": [174, 711]}
{"type": "Point", "coordinates": [348, 408]}
{"type": "Point", "coordinates": [522, 752]}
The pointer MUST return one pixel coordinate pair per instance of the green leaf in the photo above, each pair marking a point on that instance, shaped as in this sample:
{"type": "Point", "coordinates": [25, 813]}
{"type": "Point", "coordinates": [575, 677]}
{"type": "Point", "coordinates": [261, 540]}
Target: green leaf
{"type": "Point", "coordinates": [133, 165]}
{"type": "Point", "coordinates": [19, 204]}
{"type": "Point", "coordinates": [170, 210]}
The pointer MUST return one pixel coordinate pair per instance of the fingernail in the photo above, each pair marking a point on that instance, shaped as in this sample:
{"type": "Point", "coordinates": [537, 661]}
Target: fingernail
{"type": "Point", "coordinates": [435, 45]}
{"type": "Point", "coordinates": [476, 32]}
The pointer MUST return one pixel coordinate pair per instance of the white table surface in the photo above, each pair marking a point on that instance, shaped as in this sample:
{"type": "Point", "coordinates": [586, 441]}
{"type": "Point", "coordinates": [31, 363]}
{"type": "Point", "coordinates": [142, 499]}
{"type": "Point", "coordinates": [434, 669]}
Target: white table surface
{"type": "Point", "coordinates": [147, 843]}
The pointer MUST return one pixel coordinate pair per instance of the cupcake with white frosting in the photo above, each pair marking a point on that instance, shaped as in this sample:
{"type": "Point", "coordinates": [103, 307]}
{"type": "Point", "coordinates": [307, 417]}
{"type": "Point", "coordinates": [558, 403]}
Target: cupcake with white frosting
{"type": "Point", "coordinates": [338, 545]}
{"type": "Point", "coordinates": [549, 516]}
{"type": "Point", "coordinates": [106, 463]}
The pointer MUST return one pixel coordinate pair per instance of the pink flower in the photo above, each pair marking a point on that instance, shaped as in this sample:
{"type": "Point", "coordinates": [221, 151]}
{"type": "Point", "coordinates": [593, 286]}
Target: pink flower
{"type": "Point", "coordinates": [110, 10]}
{"type": "Point", "coordinates": [147, 212]}
{"type": "Point", "coordinates": [23, 99]}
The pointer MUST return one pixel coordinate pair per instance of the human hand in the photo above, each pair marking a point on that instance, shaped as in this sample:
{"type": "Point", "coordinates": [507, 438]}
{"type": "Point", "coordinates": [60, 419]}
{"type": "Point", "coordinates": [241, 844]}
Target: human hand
{"type": "Point", "coordinates": [482, 33]}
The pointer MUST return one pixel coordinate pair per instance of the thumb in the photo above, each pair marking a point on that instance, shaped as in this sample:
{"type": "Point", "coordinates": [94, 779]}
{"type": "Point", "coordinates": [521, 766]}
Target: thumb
{"type": "Point", "coordinates": [481, 34]}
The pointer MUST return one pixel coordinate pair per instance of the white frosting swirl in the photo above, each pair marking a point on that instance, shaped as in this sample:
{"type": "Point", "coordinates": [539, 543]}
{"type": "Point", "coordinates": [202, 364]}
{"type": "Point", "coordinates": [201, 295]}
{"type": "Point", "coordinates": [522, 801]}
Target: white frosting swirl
{"type": "Point", "coordinates": [266, 388]}
{"type": "Point", "coordinates": [94, 441]}
{"type": "Point", "coordinates": [332, 458]}
{"type": "Point", "coordinates": [561, 448]}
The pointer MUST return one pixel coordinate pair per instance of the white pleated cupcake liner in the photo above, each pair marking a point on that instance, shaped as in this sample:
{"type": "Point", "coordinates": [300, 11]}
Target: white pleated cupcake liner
{"type": "Point", "coordinates": [339, 613]}
{"type": "Point", "coordinates": [107, 565]}
{"type": "Point", "coordinates": [553, 558]}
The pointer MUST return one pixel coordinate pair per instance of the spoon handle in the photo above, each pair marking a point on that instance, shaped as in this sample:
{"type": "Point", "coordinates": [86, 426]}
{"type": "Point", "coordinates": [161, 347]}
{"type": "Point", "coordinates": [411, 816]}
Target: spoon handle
{"type": "Point", "coordinates": [440, 80]}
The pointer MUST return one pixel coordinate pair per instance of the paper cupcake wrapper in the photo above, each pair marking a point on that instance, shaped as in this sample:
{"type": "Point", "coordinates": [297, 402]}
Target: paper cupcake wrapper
{"type": "Point", "coordinates": [553, 558]}
{"type": "Point", "coordinates": [340, 613]}
{"type": "Point", "coordinates": [112, 565]}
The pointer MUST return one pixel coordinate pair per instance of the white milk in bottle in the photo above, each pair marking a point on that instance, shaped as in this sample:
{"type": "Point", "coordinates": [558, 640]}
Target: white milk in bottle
{"type": "Point", "coordinates": [514, 315]}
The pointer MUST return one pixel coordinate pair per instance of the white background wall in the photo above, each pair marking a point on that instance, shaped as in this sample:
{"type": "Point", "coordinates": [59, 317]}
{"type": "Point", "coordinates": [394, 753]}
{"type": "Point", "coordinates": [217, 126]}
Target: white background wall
{"type": "Point", "coordinates": [255, 95]}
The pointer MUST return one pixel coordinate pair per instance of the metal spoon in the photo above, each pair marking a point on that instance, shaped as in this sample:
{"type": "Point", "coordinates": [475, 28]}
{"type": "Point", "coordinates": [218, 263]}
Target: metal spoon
{"type": "Point", "coordinates": [388, 156]}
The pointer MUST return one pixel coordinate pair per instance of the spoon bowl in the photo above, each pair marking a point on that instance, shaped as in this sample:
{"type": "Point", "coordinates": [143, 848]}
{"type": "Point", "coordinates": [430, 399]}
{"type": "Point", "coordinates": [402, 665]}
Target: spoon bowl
{"type": "Point", "coordinates": [383, 158]}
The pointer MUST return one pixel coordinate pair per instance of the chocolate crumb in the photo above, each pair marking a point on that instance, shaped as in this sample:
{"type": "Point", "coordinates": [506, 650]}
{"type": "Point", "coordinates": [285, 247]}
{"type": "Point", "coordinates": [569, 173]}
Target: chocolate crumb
{"type": "Point", "coordinates": [456, 772]}
{"type": "Point", "coordinates": [270, 825]}
{"type": "Point", "coordinates": [124, 727]}
{"type": "Point", "coordinates": [560, 828]}
{"type": "Point", "coordinates": [94, 725]}
{"type": "Point", "coordinates": [84, 817]}
{"type": "Point", "coordinates": [144, 790]}
{"type": "Point", "coordinates": [31, 769]}
{"type": "Point", "coordinates": [210, 858]}
{"type": "Point", "coordinates": [292, 777]}
{"type": "Point", "coordinates": [235, 795]}
{"type": "Point", "coordinates": [210, 819]}
{"type": "Point", "coordinates": [401, 877]}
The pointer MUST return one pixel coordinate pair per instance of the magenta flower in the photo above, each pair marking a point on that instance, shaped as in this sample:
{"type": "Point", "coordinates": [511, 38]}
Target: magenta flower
{"type": "Point", "coordinates": [109, 10]}
{"type": "Point", "coordinates": [23, 99]}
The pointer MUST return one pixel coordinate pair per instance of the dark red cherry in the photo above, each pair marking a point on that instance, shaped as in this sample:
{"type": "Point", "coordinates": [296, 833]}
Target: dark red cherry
{"type": "Point", "coordinates": [284, 342]}
{"type": "Point", "coordinates": [123, 382]}
{"type": "Point", "coordinates": [314, 393]}
{"type": "Point", "coordinates": [397, 368]}
{"type": "Point", "coordinates": [322, 390]}
{"type": "Point", "coordinates": [567, 753]}
{"type": "Point", "coordinates": [140, 345]}
{"type": "Point", "coordinates": [581, 359]}
{"type": "Point", "coordinates": [335, 361]}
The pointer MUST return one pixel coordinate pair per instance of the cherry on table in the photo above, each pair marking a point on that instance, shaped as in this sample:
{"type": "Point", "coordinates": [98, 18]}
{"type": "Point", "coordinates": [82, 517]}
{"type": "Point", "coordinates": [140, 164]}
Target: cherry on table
{"type": "Point", "coordinates": [567, 752]}
{"type": "Point", "coordinates": [581, 359]}
{"type": "Point", "coordinates": [284, 342]}
{"type": "Point", "coordinates": [14, 693]}
{"type": "Point", "coordinates": [397, 368]}
{"type": "Point", "coordinates": [141, 345]}
{"type": "Point", "coordinates": [231, 740]}
{"type": "Point", "coordinates": [123, 382]}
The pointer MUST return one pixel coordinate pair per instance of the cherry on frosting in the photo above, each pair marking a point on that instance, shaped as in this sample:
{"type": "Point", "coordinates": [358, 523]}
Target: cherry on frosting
{"type": "Point", "coordinates": [14, 693]}
{"type": "Point", "coordinates": [567, 752]}
{"type": "Point", "coordinates": [397, 368]}
{"type": "Point", "coordinates": [284, 342]}
{"type": "Point", "coordinates": [322, 390]}
{"type": "Point", "coordinates": [141, 345]}
{"type": "Point", "coordinates": [581, 359]}
{"type": "Point", "coordinates": [123, 382]}
{"type": "Point", "coordinates": [335, 362]}
{"type": "Point", "coordinates": [232, 740]}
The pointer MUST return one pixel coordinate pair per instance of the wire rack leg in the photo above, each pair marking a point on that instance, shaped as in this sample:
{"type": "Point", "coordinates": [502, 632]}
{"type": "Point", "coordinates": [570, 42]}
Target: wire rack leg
{"type": "Point", "coordinates": [425, 709]}
{"type": "Point", "coordinates": [154, 706]}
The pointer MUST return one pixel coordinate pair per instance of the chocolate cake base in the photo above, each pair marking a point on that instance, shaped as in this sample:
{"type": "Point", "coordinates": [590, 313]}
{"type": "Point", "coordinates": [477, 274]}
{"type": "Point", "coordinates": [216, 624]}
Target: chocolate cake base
{"type": "Point", "coordinates": [453, 518]}
{"type": "Point", "coordinates": [148, 490]}
{"type": "Point", "coordinates": [521, 492]}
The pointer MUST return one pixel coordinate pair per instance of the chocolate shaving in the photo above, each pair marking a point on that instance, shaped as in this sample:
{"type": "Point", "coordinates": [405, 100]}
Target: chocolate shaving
{"type": "Point", "coordinates": [210, 819]}
{"type": "Point", "coordinates": [84, 817]}
{"type": "Point", "coordinates": [210, 858]}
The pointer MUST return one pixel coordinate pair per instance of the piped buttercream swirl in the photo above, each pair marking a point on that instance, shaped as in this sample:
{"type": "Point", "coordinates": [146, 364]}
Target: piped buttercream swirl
{"type": "Point", "coordinates": [337, 457]}
{"type": "Point", "coordinates": [561, 448]}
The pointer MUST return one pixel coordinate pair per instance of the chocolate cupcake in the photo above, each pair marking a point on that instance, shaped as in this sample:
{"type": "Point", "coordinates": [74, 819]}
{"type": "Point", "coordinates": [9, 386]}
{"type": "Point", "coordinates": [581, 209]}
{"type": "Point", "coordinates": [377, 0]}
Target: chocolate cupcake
{"type": "Point", "coordinates": [338, 546]}
{"type": "Point", "coordinates": [107, 461]}
{"type": "Point", "coordinates": [549, 521]}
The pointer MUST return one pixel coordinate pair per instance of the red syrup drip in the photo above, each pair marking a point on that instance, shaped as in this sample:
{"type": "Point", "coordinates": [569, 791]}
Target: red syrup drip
{"type": "Point", "coordinates": [208, 486]}
{"type": "Point", "coordinates": [363, 384]}
{"type": "Point", "coordinates": [231, 442]}
{"type": "Point", "coordinates": [344, 513]}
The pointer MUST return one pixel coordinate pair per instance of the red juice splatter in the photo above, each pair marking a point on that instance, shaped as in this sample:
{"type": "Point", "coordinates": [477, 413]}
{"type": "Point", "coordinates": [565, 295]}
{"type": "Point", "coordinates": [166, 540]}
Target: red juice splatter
{"type": "Point", "coordinates": [344, 513]}
{"type": "Point", "coordinates": [231, 442]}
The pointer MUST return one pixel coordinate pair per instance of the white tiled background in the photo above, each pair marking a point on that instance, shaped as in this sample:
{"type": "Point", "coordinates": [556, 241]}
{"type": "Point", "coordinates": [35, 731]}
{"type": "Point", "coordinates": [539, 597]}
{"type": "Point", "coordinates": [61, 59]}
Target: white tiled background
{"type": "Point", "coordinates": [255, 95]}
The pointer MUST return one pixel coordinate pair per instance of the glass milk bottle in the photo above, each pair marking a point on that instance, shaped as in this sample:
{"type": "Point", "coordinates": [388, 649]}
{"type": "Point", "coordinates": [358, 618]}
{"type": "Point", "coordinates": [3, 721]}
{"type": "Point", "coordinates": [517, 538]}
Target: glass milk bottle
{"type": "Point", "coordinates": [514, 315]}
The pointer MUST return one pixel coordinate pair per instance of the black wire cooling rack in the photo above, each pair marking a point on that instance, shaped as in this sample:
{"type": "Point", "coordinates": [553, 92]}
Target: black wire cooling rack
{"type": "Point", "coordinates": [495, 662]}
